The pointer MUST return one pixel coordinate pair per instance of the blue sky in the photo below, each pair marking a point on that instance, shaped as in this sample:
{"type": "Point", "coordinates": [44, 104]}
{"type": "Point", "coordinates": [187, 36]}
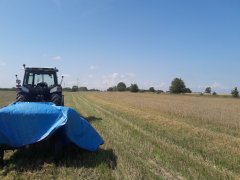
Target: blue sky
{"type": "Point", "coordinates": [98, 43]}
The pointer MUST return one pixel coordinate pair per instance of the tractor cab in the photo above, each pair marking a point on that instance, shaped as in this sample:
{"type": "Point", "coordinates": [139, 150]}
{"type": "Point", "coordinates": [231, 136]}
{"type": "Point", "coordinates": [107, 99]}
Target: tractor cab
{"type": "Point", "coordinates": [40, 77]}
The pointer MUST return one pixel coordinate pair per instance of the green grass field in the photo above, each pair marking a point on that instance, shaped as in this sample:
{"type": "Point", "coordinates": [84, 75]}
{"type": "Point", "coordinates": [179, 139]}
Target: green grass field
{"type": "Point", "coordinates": [147, 136]}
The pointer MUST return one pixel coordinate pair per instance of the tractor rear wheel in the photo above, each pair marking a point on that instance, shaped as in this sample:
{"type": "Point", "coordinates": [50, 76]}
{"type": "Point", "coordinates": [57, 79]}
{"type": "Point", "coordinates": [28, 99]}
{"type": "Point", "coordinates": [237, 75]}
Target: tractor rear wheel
{"type": "Point", "coordinates": [56, 99]}
{"type": "Point", "coordinates": [21, 98]}
{"type": "Point", "coordinates": [62, 100]}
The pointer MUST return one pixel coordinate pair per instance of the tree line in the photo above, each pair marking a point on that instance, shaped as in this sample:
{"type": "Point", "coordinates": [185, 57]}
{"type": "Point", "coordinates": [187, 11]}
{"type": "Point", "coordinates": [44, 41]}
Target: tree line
{"type": "Point", "coordinates": [132, 88]}
{"type": "Point", "coordinates": [76, 88]}
{"type": "Point", "coordinates": [177, 87]}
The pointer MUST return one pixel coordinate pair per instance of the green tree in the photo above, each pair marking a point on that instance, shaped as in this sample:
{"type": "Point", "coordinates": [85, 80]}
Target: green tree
{"type": "Point", "coordinates": [177, 86]}
{"type": "Point", "coordinates": [235, 92]}
{"type": "Point", "coordinates": [110, 89]}
{"type": "Point", "coordinates": [188, 90]}
{"type": "Point", "coordinates": [134, 88]}
{"type": "Point", "coordinates": [121, 86]}
{"type": "Point", "coordinates": [208, 90]}
{"type": "Point", "coordinates": [151, 89]}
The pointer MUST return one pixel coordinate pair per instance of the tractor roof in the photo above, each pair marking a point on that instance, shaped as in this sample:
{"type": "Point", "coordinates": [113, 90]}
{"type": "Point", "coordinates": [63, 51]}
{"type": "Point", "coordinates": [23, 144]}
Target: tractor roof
{"type": "Point", "coordinates": [41, 69]}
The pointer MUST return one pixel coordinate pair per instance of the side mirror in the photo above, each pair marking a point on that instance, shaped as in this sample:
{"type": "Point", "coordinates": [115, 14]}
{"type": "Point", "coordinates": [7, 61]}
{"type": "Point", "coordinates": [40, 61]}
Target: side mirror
{"type": "Point", "coordinates": [18, 81]}
{"type": "Point", "coordinates": [62, 80]}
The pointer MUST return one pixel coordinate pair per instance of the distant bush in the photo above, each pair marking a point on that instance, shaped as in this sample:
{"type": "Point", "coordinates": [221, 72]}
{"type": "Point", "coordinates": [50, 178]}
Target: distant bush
{"type": "Point", "coordinates": [214, 93]}
{"type": "Point", "coordinates": [67, 89]}
{"type": "Point", "coordinates": [75, 88]}
{"type": "Point", "coordinates": [141, 91]}
{"type": "Point", "coordinates": [134, 88]}
{"type": "Point", "coordinates": [83, 89]}
{"type": "Point", "coordinates": [8, 89]}
{"type": "Point", "coordinates": [121, 86]}
{"type": "Point", "coordinates": [208, 90]}
{"type": "Point", "coordinates": [128, 89]}
{"type": "Point", "coordinates": [188, 90]}
{"type": "Point", "coordinates": [94, 90]}
{"type": "Point", "coordinates": [235, 92]}
{"type": "Point", "coordinates": [160, 91]}
{"type": "Point", "coordinates": [151, 89]}
{"type": "Point", "coordinates": [110, 89]}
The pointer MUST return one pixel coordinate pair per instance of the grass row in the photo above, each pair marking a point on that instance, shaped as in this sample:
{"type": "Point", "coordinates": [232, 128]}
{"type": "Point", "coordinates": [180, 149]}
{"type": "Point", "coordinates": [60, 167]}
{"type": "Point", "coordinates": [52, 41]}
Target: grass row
{"type": "Point", "coordinates": [185, 150]}
{"type": "Point", "coordinates": [147, 136]}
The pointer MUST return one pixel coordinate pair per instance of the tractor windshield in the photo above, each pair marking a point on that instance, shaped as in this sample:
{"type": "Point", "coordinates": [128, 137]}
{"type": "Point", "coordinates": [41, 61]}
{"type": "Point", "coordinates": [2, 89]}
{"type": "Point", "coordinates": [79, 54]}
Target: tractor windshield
{"type": "Point", "coordinates": [34, 79]}
{"type": "Point", "coordinates": [44, 78]}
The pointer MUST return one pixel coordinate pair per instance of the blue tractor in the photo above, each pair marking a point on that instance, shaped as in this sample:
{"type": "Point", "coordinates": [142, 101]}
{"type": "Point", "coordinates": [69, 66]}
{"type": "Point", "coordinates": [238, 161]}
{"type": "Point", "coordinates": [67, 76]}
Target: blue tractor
{"type": "Point", "coordinates": [40, 85]}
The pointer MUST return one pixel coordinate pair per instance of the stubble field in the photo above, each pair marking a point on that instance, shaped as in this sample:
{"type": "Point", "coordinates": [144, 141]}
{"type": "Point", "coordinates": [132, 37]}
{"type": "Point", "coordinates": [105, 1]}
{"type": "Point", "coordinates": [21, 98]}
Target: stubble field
{"type": "Point", "coordinates": [147, 136]}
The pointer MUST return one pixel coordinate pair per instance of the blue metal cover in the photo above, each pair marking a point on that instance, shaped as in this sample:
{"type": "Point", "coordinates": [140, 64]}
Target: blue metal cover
{"type": "Point", "coordinates": [26, 123]}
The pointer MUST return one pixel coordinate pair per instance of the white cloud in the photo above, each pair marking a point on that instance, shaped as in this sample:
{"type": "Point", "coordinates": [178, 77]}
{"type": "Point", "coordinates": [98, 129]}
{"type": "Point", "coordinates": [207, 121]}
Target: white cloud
{"type": "Point", "coordinates": [115, 76]}
{"type": "Point", "coordinates": [85, 84]}
{"type": "Point", "coordinates": [92, 67]}
{"type": "Point", "coordinates": [90, 76]}
{"type": "Point", "coordinates": [131, 75]}
{"type": "Point", "coordinates": [149, 84]}
{"type": "Point", "coordinates": [2, 64]}
{"type": "Point", "coordinates": [71, 83]}
{"type": "Point", "coordinates": [161, 85]}
{"type": "Point", "coordinates": [66, 75]}
{"type": "Point", "coordinates": [216, 85]}
{"type": "Point", "coordinates": [113, 79]}
{"type": "Point", "coordinates": [57, 58]}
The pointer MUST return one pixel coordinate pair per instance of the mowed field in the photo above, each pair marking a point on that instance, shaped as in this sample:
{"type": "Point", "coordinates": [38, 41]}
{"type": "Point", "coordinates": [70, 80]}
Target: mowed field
{"type": "Point", "coordinates": [147, 136]}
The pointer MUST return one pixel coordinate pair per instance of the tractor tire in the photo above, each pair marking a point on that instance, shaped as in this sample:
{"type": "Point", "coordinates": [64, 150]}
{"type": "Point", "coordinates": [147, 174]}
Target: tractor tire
{"type": "Point", "coordinates": [21, 98]}
{"type": "Point", "coordinates": [62, 100]}
{"type": "Point", "coordinates": [56, 99]}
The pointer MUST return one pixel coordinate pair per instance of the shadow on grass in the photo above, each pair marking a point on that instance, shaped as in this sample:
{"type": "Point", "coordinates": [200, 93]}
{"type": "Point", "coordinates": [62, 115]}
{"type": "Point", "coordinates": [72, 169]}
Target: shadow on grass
{"type": "Point", "coordinates": [33, 159]}
{"type": "Point", "coordinates": [92, 118]}
{"type": "Point", "coordinates": [36, 156]}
